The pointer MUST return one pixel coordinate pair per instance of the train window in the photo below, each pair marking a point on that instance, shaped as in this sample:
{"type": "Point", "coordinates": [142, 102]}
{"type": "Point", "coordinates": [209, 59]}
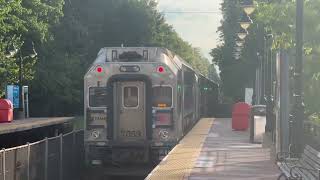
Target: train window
{"type": "Point", "coordinates": [162, 96]}
{"type": "Point", "coordinates": [130, 56]}
{"type": "Point", "coordinates": [130, 96]}
{"type": "Point", "coordinates": [188, 99]}
{"type": "Point", "coordinates": [98, 96]}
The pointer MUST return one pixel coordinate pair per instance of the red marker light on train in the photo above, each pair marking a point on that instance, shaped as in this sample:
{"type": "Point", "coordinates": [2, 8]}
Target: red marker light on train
{"type": "Point", "coordinates": [99, 69]}
{"type": "Point", "coordinates": [160, 69]}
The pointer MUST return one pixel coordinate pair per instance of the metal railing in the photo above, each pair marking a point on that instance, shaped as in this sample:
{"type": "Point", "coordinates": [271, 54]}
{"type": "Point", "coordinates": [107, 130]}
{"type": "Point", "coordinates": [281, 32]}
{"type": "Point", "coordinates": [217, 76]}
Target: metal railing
{"type": "Point", "coordinates": [56, 158]}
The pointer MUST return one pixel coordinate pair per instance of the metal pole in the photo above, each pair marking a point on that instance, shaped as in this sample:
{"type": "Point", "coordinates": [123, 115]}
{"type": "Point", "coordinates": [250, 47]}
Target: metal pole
{"type": "Point", "coordinates": [284, 100]}
{"type": "Point", "coordinates": [46, 158]}
{"type": "Point", "coordinates": [4, 164]}
{"type": "Point", "coordinates": [261, 79]}
{"type": "Point", "coordinates": [27, 104]}
{"type": "Point", "coordinates": [298, 109]}
{"type": "Point", "coordinates": [20, 84]}
{"type": "Point", "coordinates": [20, 113]}
{"type": "Point", "coordinates": [268, 84]}
{"type": "Point", "coordinates": [61, 157]}
{"type": "Point", "coordinates": [260, 53]}
{"type": "Point", "coordinates": [74, 157]}
{"type": "Point", "coordinates": [28, 171]}
{"type": "Point", "coordinates": [264, 70]}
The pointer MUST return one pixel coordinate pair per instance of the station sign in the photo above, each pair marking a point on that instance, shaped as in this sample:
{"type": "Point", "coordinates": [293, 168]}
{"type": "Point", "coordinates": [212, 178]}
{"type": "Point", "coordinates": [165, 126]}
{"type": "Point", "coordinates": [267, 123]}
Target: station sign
{"type": "Point", "coordinates": [248, 95]}
{"type": "Point", "coordinates": [12, 94]}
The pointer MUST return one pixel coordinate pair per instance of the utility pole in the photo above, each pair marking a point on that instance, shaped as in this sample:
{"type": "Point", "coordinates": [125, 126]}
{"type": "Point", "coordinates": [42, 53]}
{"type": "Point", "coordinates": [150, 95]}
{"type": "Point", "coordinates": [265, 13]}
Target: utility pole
{"type": "Point", "coordinates": [298, 109]}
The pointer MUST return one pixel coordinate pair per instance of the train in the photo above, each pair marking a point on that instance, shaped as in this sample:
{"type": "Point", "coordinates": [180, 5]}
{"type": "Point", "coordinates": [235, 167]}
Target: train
{"type": "Point", "coordinates": [139, 102]}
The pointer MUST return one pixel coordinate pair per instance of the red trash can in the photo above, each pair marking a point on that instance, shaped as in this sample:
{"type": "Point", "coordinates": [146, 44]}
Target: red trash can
{"type": "Point", "coordinates": [241, 116]}
{"type": "Point", "coordinates": [6, 111]}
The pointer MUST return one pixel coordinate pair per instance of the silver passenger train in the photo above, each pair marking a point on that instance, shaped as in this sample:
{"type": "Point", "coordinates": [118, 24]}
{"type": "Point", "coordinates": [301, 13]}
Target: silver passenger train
{"type": "Point", "coordinates": [139, 102]}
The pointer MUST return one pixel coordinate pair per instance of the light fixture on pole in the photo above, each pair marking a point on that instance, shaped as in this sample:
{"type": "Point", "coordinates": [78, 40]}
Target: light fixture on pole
{"type": "Point", "coordinates": [245, 21]}
{"type": "Point", "coordinates": [240, 43]}
{"type": "Point", "coordinates": [32, 54]}
{"type": "Point", "coordinates": [237, 55]}
{"type": "Point", "coordinates": [242, 34]}
{"type": "Point", "coordinates": [238, 49]}
{"type": "Point", "coordinates": [248, 6]}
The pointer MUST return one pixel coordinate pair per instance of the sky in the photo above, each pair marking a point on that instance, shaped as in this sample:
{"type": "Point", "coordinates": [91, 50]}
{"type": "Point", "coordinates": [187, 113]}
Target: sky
{"type": "Point", "coordinates": [199, 29]}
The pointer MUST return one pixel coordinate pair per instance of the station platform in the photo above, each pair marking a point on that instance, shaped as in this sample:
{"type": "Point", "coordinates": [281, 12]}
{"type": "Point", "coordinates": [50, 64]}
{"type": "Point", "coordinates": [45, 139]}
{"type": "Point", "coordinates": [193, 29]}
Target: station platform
{"type": "Point", "coordinates": [31, 123]}
{"type": "Point", "coordinates": [212, 151]}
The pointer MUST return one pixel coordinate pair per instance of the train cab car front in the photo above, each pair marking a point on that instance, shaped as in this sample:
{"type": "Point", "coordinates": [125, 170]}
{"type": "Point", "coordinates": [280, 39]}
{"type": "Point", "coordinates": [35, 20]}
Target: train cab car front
{"type": "Point", "coordinates": [130, 97]}
{"type": "Point", "coordinates": [139, 102]}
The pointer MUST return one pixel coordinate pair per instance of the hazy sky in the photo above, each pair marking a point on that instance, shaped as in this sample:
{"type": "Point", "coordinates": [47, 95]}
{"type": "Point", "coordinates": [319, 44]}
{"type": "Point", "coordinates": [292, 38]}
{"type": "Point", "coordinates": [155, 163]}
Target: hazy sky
{"type": "Point", "coordinates": [200, 29]}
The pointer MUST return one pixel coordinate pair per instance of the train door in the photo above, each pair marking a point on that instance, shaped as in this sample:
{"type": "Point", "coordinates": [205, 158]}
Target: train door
{"type": "Point", "coordinates": [130, 113]}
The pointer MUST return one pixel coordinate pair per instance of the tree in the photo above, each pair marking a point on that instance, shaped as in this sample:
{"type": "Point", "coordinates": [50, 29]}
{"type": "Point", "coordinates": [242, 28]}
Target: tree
{"type": "Point", "coordinates": [281, 22]}
{"type": "Point", "coordinates": [277, 18]}
{"type": "Point", "coordinates": [213, 74]}
{"type": "Point", "coordinates": [235, 74]}
{"type": "Point", "coordinates": [87, 26]}
{"type": "Point", "coordinates": [22, 24]}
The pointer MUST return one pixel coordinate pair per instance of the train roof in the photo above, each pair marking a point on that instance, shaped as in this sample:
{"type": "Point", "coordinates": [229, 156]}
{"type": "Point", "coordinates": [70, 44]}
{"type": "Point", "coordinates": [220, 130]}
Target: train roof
{"type": "Point", "coordinates": [154, 54]}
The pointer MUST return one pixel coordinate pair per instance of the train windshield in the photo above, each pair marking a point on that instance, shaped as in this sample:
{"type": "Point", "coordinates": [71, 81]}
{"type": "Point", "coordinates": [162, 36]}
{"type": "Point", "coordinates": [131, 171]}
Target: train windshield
{"type": "Point", "coordinates": [162, 96]}
{"type": "Point", "coordinates": [130, 56]}
{"type": "Point", "coordinates": [98, 96]}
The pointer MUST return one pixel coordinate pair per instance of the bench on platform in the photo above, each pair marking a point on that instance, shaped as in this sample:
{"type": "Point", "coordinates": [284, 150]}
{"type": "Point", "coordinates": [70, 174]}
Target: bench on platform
{"type": "Point", "coordinates": [307, 167]}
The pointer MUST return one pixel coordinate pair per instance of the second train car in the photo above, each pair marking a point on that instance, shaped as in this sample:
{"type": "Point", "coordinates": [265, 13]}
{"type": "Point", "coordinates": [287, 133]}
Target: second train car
{"type": "Point", "coordinates": [139, 102]}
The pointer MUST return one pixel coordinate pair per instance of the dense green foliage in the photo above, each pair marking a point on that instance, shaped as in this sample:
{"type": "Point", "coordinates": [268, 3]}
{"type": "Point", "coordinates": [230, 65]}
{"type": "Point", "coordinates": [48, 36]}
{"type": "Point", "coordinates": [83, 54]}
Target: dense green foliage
{"type": "Point", "coordinates": [23, 23]}
{"type": "Point", "coordinates": [235, 74]}
{"type": "Point", "coordinates": [277, 18]}
{"type": "Point", "coordinates": [67, 36]}
{"type": "Point", "coordinates": [280, 19]}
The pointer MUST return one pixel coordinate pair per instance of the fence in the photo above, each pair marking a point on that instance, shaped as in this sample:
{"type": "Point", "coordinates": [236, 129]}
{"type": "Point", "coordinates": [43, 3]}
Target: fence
{"type": "Point", "coordinates": [57, 158]}
{"type": "Point", "coordinates": [312, 134]}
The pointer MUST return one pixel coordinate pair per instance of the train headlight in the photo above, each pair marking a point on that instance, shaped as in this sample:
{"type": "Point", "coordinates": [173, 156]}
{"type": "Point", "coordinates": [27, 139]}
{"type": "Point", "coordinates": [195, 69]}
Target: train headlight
{"type": "Point", "coordinates": [95, 134]}
{"type": "Point", "coordinates": [96, 162]}
{"type": "Point", "coordinates": [164, 134]}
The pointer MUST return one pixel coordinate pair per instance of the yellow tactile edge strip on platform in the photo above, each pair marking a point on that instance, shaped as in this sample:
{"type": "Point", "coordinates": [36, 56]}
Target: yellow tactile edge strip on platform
{"type": "Point", "coordinates": [177, 165]}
